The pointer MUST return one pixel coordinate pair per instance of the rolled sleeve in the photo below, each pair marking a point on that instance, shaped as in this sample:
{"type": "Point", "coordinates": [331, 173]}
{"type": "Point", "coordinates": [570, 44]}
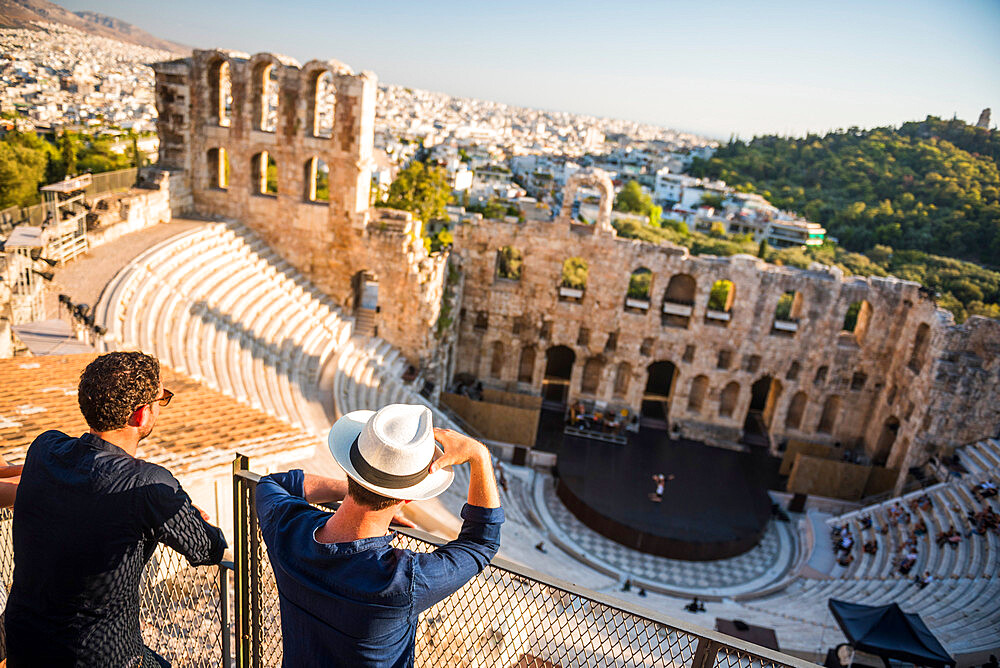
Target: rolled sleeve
{"type": "Point", "coordinates": [277, 494]}
{"type": "Point", "coordinates": [439, 574]}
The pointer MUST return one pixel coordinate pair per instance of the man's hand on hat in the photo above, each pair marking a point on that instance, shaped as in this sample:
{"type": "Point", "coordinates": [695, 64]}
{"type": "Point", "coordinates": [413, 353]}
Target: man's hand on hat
{"type": "Point", "coordinates": [458, 449]}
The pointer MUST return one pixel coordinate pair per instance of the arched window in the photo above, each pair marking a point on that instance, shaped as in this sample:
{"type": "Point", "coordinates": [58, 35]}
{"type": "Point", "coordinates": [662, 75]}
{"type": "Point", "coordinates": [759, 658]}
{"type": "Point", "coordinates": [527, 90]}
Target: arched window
{"type": "Point", "coordinates": [720, 303]}
{"type": "Point", "coordinates": [509, 263]}
{"type": "Point", "coordinates": [592, 375]}
{"type": "Point", "coordinates": [728, 399]}
{"type": "Point", "coordinates": [526, 366]}
{"type": "Point", "coordinates": [696, 398]}
{"type": "Point", "coordinates": [218, 168]}
{"type": "Point", "coordinates": [820, 376]}
{"type": "Point", "coordinates": [266, 97]}
{"type": "Point", "coordinates": [324, 105]}
{"type": "Point", "coordinates": [787, 312]}
{"type": "Point", "coordinates": [856, 320]}
{"type": "Point", "coordinates": [316, 178]}
{"type": "Point", "coordinates": [622, 375]}
{"type": "Point", "coordinates": [831, 410]}
{"type": "Point", "coordinates": [220, 93]}
{"type": "Point", "coordinates": [796, 409]}
{"type": "Point", "coordinates": [919, 347]}
{"type": "Point", "coordinates": [265, 174]}
{"type": "Point", "coordinates": [640, 285]}
{"type": "Point", "coordinates": [858, 381]}
{"type": "Point", "coordinates": [680, 290]}
{"type": "Point", "coordinates": [793, 371]}
{"type": "Point", "coordinates": [496, 359]}
{"type": "Point", "coordinates": [678, 301]}
{"type": "Point", "coordinates": [574, 279]}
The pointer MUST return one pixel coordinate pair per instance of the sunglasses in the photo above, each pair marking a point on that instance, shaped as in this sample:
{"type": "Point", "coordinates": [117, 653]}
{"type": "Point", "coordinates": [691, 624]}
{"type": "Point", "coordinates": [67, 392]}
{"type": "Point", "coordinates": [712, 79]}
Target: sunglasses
{"type": "Point", "coordinates": [162, 400]}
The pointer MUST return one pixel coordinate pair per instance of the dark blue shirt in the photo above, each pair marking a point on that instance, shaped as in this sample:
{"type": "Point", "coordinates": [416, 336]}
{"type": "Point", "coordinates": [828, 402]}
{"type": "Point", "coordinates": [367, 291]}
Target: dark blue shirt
{"type": "Point", "coordinates": [86, 520]}
{"type": "Point", "coordinates": [357, 604]}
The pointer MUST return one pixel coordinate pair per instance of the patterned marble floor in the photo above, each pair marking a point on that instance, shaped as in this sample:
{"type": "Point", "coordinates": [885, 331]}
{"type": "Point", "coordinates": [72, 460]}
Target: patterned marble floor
{"type": "Point", "coordinates": [672, 572]}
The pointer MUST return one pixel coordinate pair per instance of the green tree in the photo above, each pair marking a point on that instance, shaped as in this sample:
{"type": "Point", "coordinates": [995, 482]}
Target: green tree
{"type": "Point", "coordinates": [509, 262]}
{"type": "Point", "coordinates": [23, 161]}
{"type": "Point", "coordinates": [422, 190]}
{"type": "Point", "coordinates": [574, 273]}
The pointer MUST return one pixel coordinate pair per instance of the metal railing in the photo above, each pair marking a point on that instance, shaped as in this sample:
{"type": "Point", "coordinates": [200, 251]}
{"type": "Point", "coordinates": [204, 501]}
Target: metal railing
{"type": "Point", "coordinates": [507, 615]}
{"type": "Point", "coordinates": [182, 612]}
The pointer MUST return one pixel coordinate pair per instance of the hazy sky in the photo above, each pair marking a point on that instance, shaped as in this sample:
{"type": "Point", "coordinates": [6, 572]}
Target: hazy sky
{"type": "Point", "coordinates": [712, 67]}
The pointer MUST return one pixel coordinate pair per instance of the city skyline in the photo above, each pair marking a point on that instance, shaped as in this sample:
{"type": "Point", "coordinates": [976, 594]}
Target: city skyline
{"type": "Point", "coordinates": [717, 69]}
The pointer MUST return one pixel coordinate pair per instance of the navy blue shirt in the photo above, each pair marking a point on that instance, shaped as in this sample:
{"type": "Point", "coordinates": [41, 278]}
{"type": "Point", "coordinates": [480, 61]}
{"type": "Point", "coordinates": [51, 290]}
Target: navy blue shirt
{"type": "Point", "coordinates": [357, 604]}
{"type": "Point", "coordinates": [86, 520]}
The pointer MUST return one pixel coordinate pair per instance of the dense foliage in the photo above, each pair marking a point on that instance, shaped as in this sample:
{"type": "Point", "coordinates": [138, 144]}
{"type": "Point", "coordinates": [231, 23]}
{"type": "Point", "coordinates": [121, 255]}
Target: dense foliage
{"type": "Point", "coordinates": [28, 162]}
{"type": "Point", "coordinates": [631, 199]}
{"type": "Point", "coordinates": [931, 186]}
{"type": "Point", "coordinates": [421, 189]}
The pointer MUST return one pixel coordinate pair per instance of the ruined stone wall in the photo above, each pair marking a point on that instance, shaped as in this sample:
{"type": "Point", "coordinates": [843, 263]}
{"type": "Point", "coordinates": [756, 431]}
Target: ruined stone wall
{"type": "Point", "coordinates": [329, 241]}
{"type": "Point", "coordinates": [873, 373]}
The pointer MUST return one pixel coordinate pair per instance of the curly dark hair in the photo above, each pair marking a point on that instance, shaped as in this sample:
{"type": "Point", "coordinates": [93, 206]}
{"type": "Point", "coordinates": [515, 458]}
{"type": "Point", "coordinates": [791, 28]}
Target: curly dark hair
{"type": "Point", "coordinates": [114, 384]}
{"type": "Point", "coordinates": [368, 498]}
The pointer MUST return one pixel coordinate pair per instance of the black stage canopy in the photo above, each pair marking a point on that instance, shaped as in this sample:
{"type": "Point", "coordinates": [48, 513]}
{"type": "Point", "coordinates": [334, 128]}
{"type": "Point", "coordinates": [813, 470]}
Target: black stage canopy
{"type": "Point", "coordinates": [888, 632]}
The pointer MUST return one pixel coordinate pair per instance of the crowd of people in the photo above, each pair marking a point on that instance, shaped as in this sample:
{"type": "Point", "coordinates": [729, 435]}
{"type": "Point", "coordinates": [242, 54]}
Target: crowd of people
{"type": "Point", "coordinates": [603, 421]}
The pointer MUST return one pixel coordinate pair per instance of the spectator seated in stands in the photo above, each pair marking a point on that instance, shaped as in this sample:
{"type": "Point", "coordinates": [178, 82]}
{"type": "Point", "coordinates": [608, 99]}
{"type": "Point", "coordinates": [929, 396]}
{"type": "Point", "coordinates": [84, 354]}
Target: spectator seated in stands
{"type": "Point", "coordinates": [985, 490]}
{"type": "Point", "coordinates": [845, 559]}
{"type": "Point", "coordinates": [846, 543]}
{"type": "Point", "coordinates": [922, 502]}
{"type": "Point", "coordinates": [865, 521]}
{"type": "Point", "coordinates": [984, 521]}
{"type": "Point", "coordinates": [907, 562]}
{"type": "Point", "coordinates": [920, 528]}
{"type": "Point", "coordinates": [951, 536]}
{"type": "Point", "coordinates": [896, 513]}
{"type": "Point", "coordinates": [871, 546]}
{"type": "Point", "coordinates": [923, 580]}
{"type": "Point", "coordinates": [695, 606]}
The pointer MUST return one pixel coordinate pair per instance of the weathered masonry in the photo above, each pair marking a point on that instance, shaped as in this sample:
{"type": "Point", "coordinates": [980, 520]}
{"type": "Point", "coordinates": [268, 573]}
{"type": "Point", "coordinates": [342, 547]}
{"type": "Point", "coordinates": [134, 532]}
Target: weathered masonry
{"type": "Point", "coordinates": [287, 150]}
{"type": "Point", "coordinates": [715, 347]}
{"type": "Point", "coordinates": [718, 347]}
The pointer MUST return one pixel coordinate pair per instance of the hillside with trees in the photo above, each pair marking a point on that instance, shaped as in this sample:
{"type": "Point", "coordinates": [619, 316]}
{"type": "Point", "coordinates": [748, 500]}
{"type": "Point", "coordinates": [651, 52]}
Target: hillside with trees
{"type": "Point", "coordinates": [920, 202]}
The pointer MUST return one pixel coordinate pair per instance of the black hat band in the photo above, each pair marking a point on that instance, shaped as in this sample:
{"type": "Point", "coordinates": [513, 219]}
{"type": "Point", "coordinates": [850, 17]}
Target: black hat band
{"type": "Point", "coordinates": [381, 478]}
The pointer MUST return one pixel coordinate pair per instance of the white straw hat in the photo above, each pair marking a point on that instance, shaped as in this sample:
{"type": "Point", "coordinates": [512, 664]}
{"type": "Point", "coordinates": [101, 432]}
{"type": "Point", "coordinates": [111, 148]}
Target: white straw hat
{"type": "Point", "coordinates": [389, 452]}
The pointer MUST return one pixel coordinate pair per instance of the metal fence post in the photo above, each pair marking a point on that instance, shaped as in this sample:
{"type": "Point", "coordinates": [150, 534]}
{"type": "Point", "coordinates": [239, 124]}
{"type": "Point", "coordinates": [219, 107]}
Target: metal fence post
{"type": "Point", "coordinates": [241, 557]}
{"type": "Point", "coordinates": [225, 637]}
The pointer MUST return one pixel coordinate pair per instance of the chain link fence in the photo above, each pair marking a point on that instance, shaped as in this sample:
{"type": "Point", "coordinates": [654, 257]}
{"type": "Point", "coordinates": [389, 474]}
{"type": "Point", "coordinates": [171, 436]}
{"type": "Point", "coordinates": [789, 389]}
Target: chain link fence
{"type": "Point", "coordinates": [181, 612]}
{"type": "Point", "coordinates": [507, 616]}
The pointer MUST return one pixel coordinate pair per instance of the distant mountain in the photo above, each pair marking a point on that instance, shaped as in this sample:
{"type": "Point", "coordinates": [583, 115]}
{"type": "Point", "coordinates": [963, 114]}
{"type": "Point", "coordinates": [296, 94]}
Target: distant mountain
{"type": "Point", "coordinates": [22, 14]}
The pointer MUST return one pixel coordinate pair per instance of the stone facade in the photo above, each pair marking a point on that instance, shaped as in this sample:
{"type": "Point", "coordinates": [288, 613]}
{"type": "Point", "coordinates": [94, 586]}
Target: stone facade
{"type": "Point", "coordinates": [905, 374]}
{"type": "Point", "coordinates": [334, 242]}
{"type": "Point", "coordinates": [776, 355]}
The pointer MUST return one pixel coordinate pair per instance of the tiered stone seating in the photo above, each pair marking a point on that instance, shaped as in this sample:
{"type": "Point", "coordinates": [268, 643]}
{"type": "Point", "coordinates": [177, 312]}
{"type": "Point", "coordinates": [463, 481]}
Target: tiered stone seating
{"type": "Point", "coordinates": [962, 605]}
{"type": "Point", "coordinates": [221, 306]}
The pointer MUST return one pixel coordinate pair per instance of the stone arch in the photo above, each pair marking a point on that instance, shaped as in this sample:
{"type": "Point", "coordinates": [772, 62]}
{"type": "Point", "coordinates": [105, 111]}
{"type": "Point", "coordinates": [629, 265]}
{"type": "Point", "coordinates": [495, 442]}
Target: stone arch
{"type": "Point", "coordinates": [595, 178]}
{"type": "Point", "coordinates": [559, 361]}
{"type": "Point", "coordinates": [591, 381]}
{"type": "Point", "coordinates": [796, 409]}
{"type": "Point", "coordinates": [793, 370]}
{"type": "Point", "coordinates": [265, 69]}
{"type": "Point", "coordinates": [575, 271]}
{"type": "Point", "coordinates": [856, 320]}
{"type": "Point", "coordinates": [316, 180]}
{"type": "Point", "coordinates": [886, 439]}
{"type": "Point", "coordinates": [681, 289]}
{"type": "Point", "coordinates": [218, 168]}
{"type": "Point", "coordinates": [920, 340]}
{"type": "Point", "coordinates": [322, 102]}
{"type": "Point", "coordinates": [640, 285]}
{"type": "Point", "coordinates": [496, 359]}
{"type": "Point", "coordinates": [661, 377]}
{"type": "Point", "coordinates": [696, 397]}
{"type": "Point", "coordinates": [787, 312]}
{"type": "Point", "coordinates": [727, 400]}
{"type": "Point", "coordinates": [831, 411]}
{"type": "Point", "coordinates": [623, 374]}
{"type": "Point", "coordinates": [764, 394]}
{"type": "Point", "coordinates": [265, 174]}
{"type": "Point", "coordinates": [526, 365]}
{"type": "Point", "coordinates": [720, 302]}
{"type": "Point", "coordinates": [220, 91]}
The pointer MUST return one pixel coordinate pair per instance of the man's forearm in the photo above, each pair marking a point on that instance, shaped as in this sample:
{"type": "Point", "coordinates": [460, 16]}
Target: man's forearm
{"type": "Point", "coordinates": [319, 489]}
{"type": "Point", "coordinates": [482, 483]}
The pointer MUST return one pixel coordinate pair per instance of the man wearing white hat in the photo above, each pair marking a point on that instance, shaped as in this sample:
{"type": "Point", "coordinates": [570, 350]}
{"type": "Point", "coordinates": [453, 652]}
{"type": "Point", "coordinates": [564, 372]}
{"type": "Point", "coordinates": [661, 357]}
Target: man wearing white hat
{"type": "Point", "coordinates": [348, 598]}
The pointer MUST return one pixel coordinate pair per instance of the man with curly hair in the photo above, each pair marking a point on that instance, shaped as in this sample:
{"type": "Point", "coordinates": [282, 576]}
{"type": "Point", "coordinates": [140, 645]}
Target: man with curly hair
{"type": "Point", "coordinates": [87, 517]}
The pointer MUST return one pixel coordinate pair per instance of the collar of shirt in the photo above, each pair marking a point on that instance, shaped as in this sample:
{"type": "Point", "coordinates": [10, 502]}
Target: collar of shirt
{"type": "Point", "coordinates": [98, 443]}
{"type": "Point", "coordinates": [354, 546]}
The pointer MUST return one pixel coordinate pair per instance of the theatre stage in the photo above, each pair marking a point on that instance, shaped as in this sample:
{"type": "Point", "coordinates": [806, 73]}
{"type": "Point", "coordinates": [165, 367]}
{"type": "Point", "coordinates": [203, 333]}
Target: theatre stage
{"type": "Point", "coordinates": [715, 507]}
